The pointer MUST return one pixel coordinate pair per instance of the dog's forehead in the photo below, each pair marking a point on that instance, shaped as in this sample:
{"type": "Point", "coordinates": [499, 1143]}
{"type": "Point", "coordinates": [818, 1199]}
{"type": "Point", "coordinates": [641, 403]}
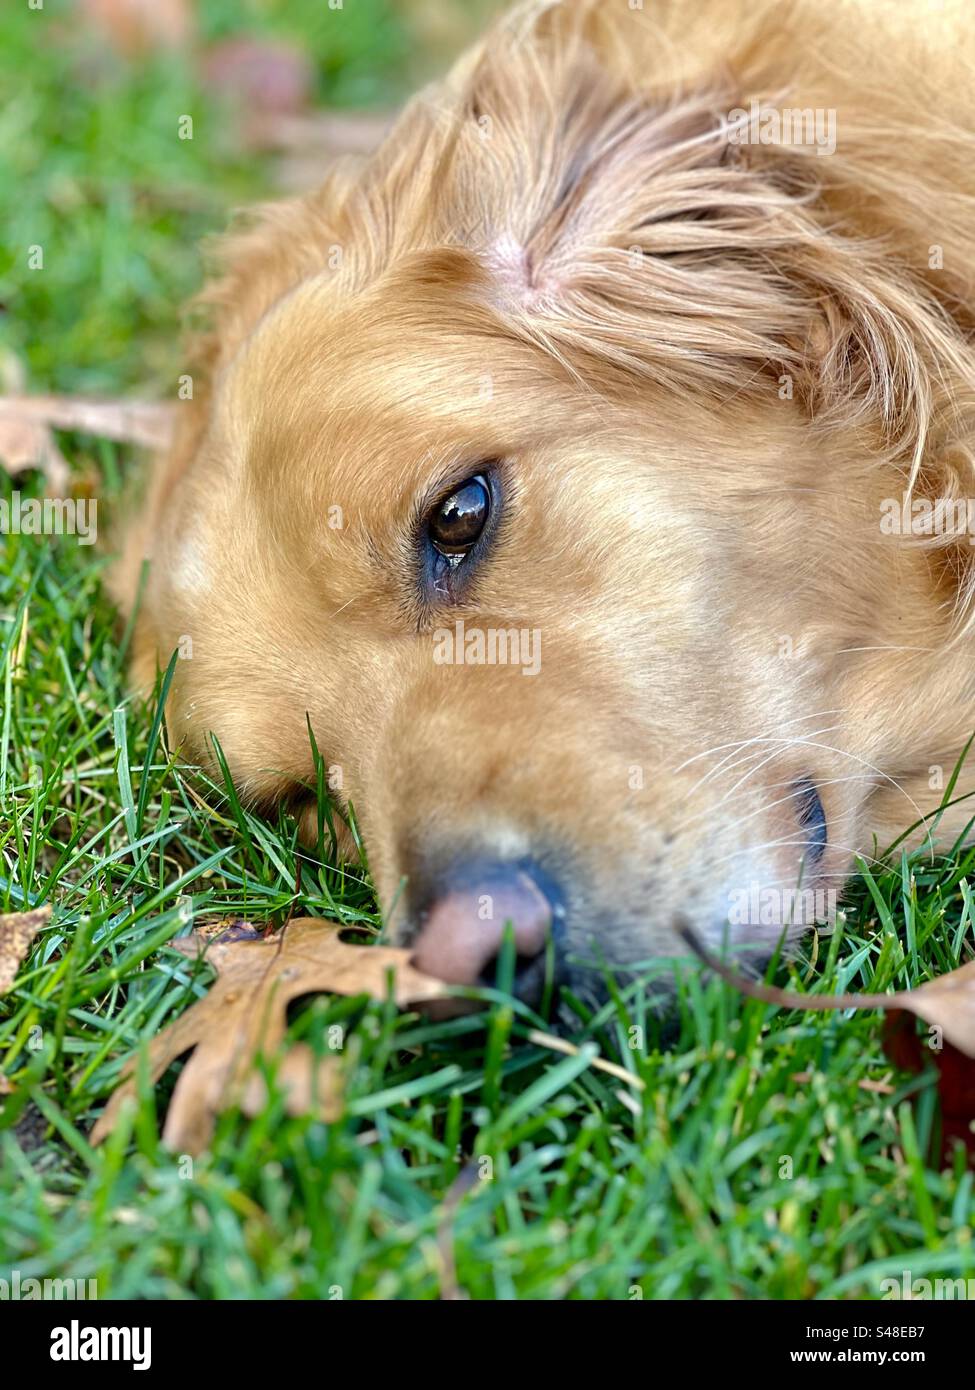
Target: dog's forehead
{"type": "Point", "coordinates": [320, 348]}
{"type": "Point", "coordinates": [344, 382]}
{"type": "Point", "coordinates": [347, 390]}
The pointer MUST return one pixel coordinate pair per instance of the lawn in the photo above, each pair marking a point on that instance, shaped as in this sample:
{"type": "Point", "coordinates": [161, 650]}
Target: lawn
{"type": "Point", "coordinates": [752, 1153]}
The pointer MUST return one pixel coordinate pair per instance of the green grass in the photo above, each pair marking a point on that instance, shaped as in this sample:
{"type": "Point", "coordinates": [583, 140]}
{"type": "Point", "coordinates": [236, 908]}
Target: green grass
{"type": "Point", "coordinates": [538, 1175]}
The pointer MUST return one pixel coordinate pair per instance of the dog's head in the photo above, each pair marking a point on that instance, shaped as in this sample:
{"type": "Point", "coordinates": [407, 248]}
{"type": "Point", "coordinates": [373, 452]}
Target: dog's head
{"type": "Point", "coordinates": [539, 485]}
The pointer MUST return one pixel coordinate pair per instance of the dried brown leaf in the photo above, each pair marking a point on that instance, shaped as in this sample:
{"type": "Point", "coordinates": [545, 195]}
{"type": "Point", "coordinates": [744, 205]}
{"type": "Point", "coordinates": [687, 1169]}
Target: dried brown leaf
{"type": "Point", "coordinates": [17, 931]}
{"type": "Point", "coordinates": [947, 1003]}
{"type": "Point", "coordinates": [245, 1013]}
{"type": "Point", "coordinates": [26, 444]}
{"type": "Point", "coordinates": [148, 424]}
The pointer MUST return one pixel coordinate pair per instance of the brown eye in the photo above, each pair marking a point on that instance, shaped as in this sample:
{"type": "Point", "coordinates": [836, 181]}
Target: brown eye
{"type": "Point", "coordinates": [459, 519]}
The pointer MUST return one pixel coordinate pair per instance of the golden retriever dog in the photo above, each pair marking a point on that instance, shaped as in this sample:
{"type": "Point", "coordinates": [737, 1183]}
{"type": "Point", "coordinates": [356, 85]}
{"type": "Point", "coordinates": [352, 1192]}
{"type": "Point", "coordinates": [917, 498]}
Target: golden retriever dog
{"type": "Point", "coordinates": [587, 472]}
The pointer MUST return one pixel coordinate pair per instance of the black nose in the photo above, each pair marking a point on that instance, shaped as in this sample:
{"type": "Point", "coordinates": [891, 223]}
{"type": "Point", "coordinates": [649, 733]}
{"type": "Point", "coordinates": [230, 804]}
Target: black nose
{"type": "Point", "coordinates": [462, 918]}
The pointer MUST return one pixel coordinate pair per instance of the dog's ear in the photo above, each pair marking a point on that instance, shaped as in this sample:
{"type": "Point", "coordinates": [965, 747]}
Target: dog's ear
{"type": "Point", "coordinates": [619, 226]}
{"type": "Point", "coordinates": [628, 230]}
{"type": "Point", "coordinates": [627, 234]}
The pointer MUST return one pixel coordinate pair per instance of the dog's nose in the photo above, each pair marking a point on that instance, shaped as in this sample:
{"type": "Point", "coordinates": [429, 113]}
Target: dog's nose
{"type": "Point", "coordinates": [464, 923]}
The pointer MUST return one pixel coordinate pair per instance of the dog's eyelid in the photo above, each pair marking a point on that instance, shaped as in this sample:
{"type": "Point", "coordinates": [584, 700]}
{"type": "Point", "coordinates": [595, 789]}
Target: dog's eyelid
{"type": "Point", "coordinates": [453, 478]}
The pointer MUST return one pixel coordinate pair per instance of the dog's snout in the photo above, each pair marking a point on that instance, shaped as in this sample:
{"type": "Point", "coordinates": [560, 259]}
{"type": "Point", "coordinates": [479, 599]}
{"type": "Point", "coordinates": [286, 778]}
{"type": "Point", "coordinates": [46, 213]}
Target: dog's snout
{"type": "Point", "coordinates": [463, 924]}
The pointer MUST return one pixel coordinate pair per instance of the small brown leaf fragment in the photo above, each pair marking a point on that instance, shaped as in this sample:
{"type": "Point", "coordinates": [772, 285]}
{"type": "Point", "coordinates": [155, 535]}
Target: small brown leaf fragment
{"type": "Point", "coordinates": [947, 1003]}
{"type": "Point", "coordinates": [245, 1013]}
{"type": "Point", "coordinates": [17, 931]}
{"type": "Point", "coordinates": [225, 929]}
{"type": "Point", "coordinates": [136, 28]}
{"type": "Point", "coordinates": [28, 444]}
{"type": "Point", "coordinates": [145, 423]}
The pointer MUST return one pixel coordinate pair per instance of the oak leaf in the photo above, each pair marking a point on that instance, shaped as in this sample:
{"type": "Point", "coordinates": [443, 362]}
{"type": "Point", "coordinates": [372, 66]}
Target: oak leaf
{"type": "Point", "coordinates": [245, 1013]}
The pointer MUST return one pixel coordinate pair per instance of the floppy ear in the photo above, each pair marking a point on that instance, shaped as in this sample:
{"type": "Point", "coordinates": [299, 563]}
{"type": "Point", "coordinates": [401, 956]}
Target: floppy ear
{"type": "Point", "coordinates": [622, 225]}
{"type": "Point", "coordinates": [621, 230]}
{"type": "Point", "coordinates": [626, 235]}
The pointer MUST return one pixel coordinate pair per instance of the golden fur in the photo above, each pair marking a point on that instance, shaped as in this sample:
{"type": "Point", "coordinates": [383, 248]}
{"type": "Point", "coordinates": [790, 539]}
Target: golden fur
{"type": "Point", "coordinates": [701, 367]}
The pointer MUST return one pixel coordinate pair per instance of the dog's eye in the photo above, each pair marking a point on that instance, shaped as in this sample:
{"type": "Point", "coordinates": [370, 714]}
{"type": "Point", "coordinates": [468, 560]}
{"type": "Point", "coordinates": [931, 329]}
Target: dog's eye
{"type": "Point", "coordinates": [456, 523]}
